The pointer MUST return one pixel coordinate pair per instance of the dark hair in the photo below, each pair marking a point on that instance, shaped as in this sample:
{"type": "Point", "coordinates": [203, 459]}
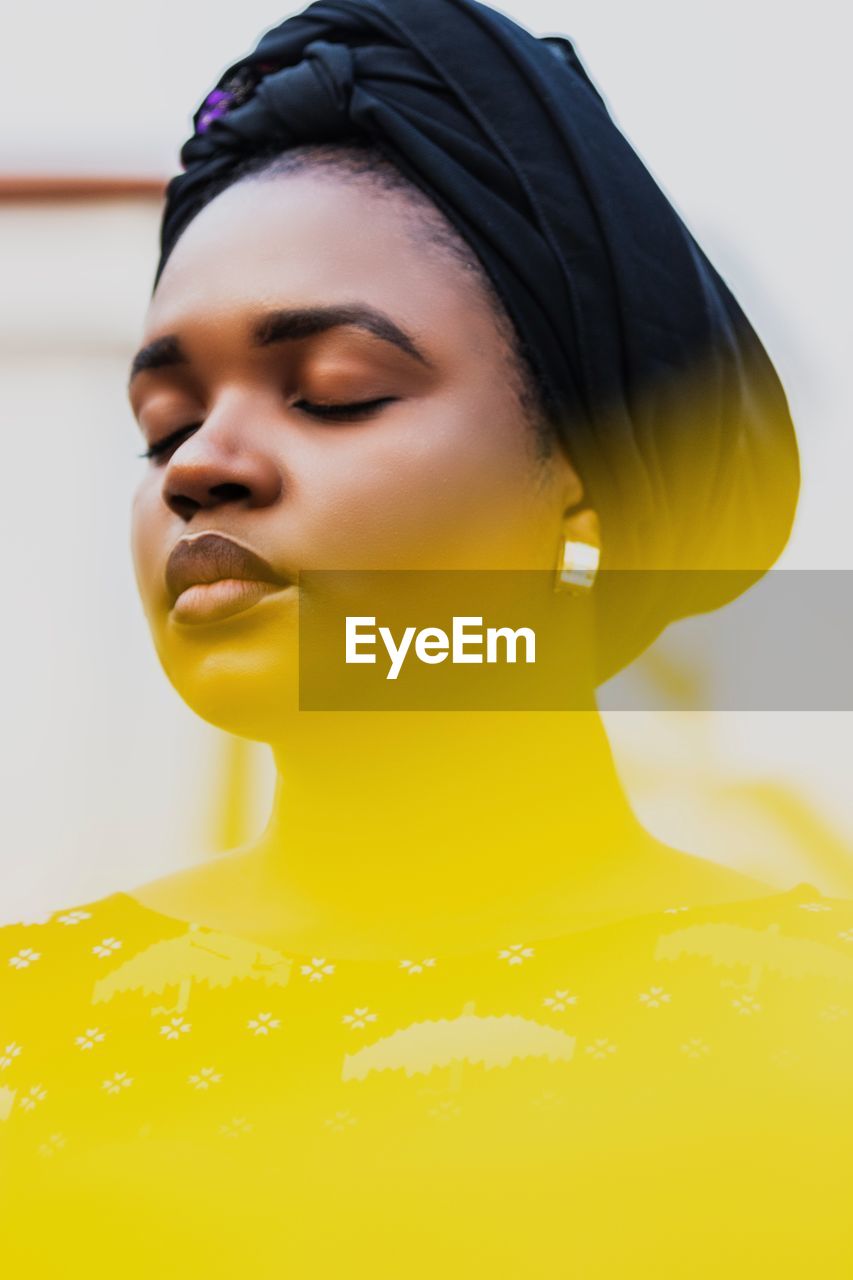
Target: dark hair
{"type": "Point", "coordinates": [357, 159]}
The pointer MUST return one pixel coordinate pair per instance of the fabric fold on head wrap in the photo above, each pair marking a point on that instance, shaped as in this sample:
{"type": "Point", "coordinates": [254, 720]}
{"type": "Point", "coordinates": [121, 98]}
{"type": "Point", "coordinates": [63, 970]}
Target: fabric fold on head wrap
{"type": "Point", "coordinates": [660, 389]}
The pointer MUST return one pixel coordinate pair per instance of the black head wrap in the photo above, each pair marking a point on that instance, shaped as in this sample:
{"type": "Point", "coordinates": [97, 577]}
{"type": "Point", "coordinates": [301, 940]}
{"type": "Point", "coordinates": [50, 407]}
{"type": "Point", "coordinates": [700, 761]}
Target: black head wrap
{"type": "Point", "coordinates": [663, 394]}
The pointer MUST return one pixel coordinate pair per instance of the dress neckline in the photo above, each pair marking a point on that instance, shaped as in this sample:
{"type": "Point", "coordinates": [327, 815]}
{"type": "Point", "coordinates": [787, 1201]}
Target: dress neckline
{"type": "Point", "coordinates": [513, 946]}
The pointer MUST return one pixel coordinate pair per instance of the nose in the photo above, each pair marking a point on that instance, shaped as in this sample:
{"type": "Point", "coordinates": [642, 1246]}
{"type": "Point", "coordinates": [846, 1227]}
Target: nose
{"type": "Point", "coordinates": [219, 464]}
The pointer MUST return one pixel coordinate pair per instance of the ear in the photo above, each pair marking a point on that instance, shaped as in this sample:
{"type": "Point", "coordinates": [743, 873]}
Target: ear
{"type": "Point", "coordinates": [581, 524]}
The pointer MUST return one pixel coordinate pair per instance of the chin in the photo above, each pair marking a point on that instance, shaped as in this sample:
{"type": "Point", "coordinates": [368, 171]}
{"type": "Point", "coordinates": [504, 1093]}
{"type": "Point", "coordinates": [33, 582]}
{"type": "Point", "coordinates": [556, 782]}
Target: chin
{"type": "Point", "coordinates": [246, 683]}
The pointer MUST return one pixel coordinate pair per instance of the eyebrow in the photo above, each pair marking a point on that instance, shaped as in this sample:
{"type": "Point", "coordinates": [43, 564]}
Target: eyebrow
{"type": "Point", "coordinates": [304, 322]}
{"type": "Point", "coordinates": [289, 325]}
{"type": "Point", "coordinates": [159, 354]}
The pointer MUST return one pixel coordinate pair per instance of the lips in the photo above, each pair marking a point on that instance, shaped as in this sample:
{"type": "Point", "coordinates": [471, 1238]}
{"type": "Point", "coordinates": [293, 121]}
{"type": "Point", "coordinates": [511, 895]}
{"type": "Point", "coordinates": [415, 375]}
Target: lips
{"type": "Point", "coordinates": [210, 576]}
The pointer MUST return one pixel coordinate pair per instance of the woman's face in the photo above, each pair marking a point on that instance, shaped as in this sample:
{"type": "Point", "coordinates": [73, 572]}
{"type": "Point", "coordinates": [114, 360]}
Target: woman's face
{"type": "Point", "coordinates": [327, 388]}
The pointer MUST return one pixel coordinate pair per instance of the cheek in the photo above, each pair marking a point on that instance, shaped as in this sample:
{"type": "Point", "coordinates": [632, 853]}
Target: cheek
{"type": "Point", "coordinates": [444, 488]}
{"type": "Point", "coordinates": [148, 521]}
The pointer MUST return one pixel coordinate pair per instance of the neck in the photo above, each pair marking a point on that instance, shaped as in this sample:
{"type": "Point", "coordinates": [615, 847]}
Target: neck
{"type": "Point", "coordinates": [387, 823]}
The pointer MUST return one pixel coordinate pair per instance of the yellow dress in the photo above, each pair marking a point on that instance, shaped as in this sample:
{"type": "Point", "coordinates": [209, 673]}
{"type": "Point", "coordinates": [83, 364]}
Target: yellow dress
{"type": "Point", "coordinates": [669, 1096]}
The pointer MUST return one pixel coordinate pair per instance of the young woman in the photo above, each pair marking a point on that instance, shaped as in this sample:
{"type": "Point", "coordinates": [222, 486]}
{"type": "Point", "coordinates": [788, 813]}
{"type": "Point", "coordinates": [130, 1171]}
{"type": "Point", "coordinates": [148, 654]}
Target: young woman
{"type": "Point", "coordinates": [421, 310]}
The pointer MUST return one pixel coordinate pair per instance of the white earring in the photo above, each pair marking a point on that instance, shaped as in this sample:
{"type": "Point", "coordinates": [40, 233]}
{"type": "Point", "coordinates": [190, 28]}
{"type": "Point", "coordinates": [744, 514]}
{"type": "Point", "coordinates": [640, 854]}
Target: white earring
{"type": "Point", "coordinates": [578, 566]}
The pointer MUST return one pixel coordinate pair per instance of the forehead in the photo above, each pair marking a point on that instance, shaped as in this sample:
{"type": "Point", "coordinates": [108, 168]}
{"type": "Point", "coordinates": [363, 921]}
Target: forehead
{"type": "Point", "coordinates": [312, 239]}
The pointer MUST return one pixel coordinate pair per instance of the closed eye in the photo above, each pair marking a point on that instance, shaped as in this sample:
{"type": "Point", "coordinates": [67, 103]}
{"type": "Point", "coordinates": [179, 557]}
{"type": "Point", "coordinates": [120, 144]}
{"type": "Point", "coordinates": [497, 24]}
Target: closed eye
{"type": "Point", "coordinates": [330, 412]}
{"type": "Point", "coordinates": [170, 442]}
{"type": "Point", "coordinates": [343, 412]}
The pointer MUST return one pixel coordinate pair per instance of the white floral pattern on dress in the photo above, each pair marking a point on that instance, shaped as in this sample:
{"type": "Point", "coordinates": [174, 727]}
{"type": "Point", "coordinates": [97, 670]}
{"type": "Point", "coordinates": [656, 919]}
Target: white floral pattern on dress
{"type": "Point", "coordinates": [90, 1037]}
{"type": "Point", "coordinates": [10, 1053]}
{"type": "Point", "coordinates": [74, 917]}
{"type": "Point", "coordinates": [55, 1143]}
{"type": "Point", "coordinates": [446, 1109]}
{"type": "Point", "coordinates": [317, 969]}
{"type": "Point", "coordinates": [118, 1080]}
{"type": "Point", "coordinates": [559, 1001]}
{"type": "Point", "coordinates": [417, 966]}
{"type": "Point", "coordinates": [695, 1048]}
{"type": "Point", "coordinates": [35, 1094]}
{"type": "Point", "coordinates": [204, 1078]}
{"type": "Point", "coordinates": [263, 1024]}
{"type": "Point", "coordinates": [106, 946]}
{"type": "Point", "coordinates": [175, 1028]}
{"type": "Point", "coordinates": [340, 1121]}
{"type": "Point", "coordinates": [730, 947]}
{"type": "Point", "coordinates": [654, 997]}
{"type": "Point", "coordinates": [548, 1099]}
{"type": "Point", "coordinates": [516, 954]}
{"type": "Point", "coordinates": [600, 1048]}
{"type": "Point", "coordinates": [746, 1004]}
{"type": "Point", "coordinates": [236, 1127]}
{"type": "Point", "coordinates": [358, 1018]}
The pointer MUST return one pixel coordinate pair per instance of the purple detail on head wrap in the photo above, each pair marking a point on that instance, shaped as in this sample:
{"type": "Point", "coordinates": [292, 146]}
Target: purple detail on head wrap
{"type": "Point", "coordinates": [236, 90]}
{"type": "Point", "coordinates": [214, 106]}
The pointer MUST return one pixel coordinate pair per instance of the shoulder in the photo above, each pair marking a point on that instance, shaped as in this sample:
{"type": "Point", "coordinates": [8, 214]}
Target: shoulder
{"type": "Point", "coordinates": [46, 960]}
{"type": "Point", "coordinates": [29, 946]}
{"type": "Point", "coordinates": [685, 880]}
{"type": "Point", "coordinates": [67, 928]}
{"type": "Point", "coordinates": [792, 952]}
{"type": "Point", "coordinates": [53, 967]}
{"type": "Point", "coordinates": [215, 877]}
{"type": "Point", "coordinates": [697, 880]}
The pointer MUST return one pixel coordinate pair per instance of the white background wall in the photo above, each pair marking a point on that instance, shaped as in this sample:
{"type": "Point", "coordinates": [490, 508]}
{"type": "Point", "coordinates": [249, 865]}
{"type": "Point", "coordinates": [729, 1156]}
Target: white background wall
{"type": "Point", "coordinates": [742, 112]}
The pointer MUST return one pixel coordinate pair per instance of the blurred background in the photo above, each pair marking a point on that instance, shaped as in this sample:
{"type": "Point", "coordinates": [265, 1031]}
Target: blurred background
{"type": "Point", "coordinates": [741, 110]}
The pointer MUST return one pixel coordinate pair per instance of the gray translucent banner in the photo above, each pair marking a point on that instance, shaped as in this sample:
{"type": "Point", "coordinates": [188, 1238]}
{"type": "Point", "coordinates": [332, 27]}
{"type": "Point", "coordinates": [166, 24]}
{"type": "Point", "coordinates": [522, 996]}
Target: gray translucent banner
{"type": "Point", "coordinates": [505, 640]}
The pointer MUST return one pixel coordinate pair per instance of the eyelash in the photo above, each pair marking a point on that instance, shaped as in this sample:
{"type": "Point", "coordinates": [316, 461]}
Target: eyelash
{"type": "Point", "coordinates": [360, 409]}
{"type": "Point", "coordinates": [329, 412]}
{"type": "Point", "coordinates": [163, 446]}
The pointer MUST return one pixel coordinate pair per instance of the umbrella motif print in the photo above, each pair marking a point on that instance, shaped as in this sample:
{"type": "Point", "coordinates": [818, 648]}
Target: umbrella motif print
{"type": "Point", "coordinates": [7, 1097]}
{"type": "Point", "coordinates": [492, 1041]}
{"type": "Point", "coordinates": [199, 955]}
{"type": "Point", "coordinates": [759, 950]}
